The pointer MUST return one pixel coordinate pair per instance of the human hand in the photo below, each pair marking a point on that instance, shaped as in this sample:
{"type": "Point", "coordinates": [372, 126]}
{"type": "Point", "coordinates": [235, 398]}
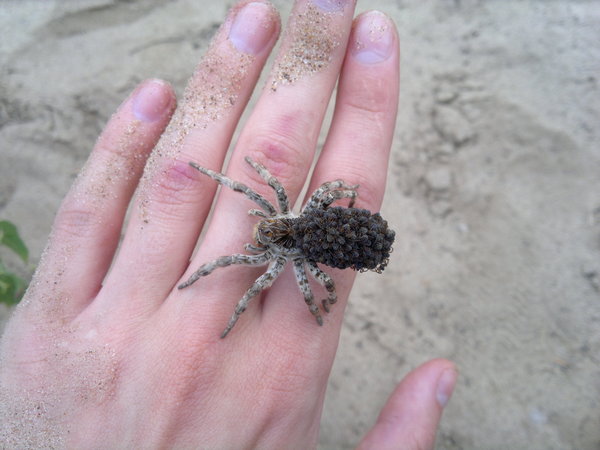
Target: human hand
{"type": "Point", "coordinates": [105, 351]}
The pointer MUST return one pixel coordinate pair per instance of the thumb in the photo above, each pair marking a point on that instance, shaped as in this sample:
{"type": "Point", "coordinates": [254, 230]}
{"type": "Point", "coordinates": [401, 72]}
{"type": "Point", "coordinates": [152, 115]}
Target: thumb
{"type": "Point", "coordinates": [410, 418]}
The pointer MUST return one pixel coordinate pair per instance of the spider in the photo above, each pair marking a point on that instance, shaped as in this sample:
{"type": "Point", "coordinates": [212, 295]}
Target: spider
{"type": "Point", "coordinates": [334, 236]}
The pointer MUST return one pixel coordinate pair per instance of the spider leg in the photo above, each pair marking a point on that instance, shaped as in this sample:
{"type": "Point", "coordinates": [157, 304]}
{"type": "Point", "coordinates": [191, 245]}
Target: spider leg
{"type": "Point", "coordinates": [238, 187]}
{"type": "Point", "coordinates": [326, 281]}
{"type": "Point", "coordinates": [253, 248]}
{"type": "Point", "coordinates": [224, 261]}
{"type": "Point", "coordinates": [257, 212]}
{"type": "Point", "coordinates": [261, 283]}
{"type": "Point", "coordinates": [317, 198]}
{"type": "Point", "coordinates": [282, 198]}
{"type": "Point", "coordinates": [309, 298]}
{"type": "Point", "coordinates": [332, 196]}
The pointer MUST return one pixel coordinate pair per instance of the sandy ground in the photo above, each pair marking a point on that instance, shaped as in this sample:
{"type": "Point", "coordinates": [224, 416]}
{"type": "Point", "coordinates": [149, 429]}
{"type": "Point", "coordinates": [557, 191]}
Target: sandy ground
{"type": "Point", "coordinates": [494, 190]}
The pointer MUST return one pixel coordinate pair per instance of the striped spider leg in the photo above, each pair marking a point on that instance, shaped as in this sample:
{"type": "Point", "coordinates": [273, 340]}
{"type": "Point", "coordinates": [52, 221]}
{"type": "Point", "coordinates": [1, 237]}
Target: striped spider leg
{"type": "Point", "coordinates": [326, 281]}
{"type": "Point", "coordinates": [261, 283]}
{"type": "Point", "coordinates": [329, 192]}
{"type": "Point", "coordinates": [238, 187]}
{"type": "Point", "coordinates": [309, 298]}
{"type": "Point", "coordinates": [282, 198]}
{"type": "Point", "coordinates": [262, 255]}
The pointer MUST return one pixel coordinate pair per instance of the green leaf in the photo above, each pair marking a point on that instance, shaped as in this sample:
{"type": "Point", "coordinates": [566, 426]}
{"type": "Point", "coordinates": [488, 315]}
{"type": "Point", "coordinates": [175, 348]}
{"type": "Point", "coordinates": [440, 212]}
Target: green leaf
{"type": "Point", "coordinates": [9, 237]}
{"type": "Point", "coordinates": [11, 288]}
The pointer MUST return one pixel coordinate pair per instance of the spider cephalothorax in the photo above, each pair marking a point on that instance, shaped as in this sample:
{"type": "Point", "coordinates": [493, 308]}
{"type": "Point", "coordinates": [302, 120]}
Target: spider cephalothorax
{"type": "Point", "coordinates": [276, 231]}
{"type": "Point", "coordinates": [338, 237]}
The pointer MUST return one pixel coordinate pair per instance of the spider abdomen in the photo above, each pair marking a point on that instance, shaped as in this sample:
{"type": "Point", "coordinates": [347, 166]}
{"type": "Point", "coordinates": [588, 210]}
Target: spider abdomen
{"type": "Point", "coordinates": [344, 237]}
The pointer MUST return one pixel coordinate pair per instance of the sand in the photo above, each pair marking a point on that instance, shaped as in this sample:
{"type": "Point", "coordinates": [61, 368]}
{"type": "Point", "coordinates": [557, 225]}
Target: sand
{"type": "Point", "coordinates": [493, 189]}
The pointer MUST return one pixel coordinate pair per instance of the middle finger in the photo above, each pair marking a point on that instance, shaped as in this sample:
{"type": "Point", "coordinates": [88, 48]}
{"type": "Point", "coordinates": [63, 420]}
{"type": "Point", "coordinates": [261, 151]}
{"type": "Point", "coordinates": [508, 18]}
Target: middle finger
{"type": "Point", "coordinates": [281, 134]}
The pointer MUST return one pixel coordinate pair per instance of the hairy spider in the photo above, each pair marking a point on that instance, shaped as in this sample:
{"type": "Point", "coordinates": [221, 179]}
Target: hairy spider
{"type": "Point", "coordinates": [338, 237]}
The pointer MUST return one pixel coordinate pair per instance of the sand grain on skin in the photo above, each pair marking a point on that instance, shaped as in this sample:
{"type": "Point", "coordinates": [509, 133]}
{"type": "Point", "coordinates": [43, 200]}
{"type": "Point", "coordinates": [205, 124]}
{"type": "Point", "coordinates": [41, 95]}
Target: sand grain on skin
{"type": "Point", "coordinates": [69, 371]}
{"type": "Point", "coordinates": [313, 42]}
{"type": "Point", "coordinates": [215, 89]}
{"type": "Point", "coordinates": [79, 374]}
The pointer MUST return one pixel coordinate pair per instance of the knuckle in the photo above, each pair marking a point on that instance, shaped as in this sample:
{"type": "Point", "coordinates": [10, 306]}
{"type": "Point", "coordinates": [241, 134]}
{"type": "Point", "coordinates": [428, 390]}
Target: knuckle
{"type": "Point", "coordinates": [121, 156]}
{"type": "Point", "coordinates": [282, 149]}
{"type": "Point", "coordinates": [173, 186]}
{"type": "Point", "coordinates": [107, 149]}
{"type": "Point", "coordinates": [371, 95]}
{"type": "Point", "coordinates": [369, 194]}
{"type": "Point", "coordinates": [281, 159]}
{"type": "Point", "coordinates": [76, 221]}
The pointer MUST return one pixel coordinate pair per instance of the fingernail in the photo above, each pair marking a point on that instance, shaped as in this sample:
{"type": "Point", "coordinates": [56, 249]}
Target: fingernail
{"type": "Point", "coordinates": [252, 28]}
{"type": "Point", "coordinates": [373, 38]}
{"type": "Point", "coordinates": [445, 386]}
{"type": "Point", "coordinates": [151, 101]}
{"type": "Point", "coordinates": [331, 5]}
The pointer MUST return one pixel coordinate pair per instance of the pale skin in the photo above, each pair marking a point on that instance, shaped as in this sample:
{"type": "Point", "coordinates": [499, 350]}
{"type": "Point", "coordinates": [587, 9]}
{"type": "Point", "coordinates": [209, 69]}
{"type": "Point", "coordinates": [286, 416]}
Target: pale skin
{"type": "Point", "coordinates": [168, 380]}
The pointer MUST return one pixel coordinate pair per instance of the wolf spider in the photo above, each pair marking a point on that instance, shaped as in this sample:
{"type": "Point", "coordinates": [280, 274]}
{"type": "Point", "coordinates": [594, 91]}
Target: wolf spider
{"type": "Point", "coordinates": [338, 237]}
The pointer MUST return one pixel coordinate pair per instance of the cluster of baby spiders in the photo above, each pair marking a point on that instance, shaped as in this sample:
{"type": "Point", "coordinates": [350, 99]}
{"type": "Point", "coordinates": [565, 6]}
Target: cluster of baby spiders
{"type": "Point", "coordinates": [335, 236]}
